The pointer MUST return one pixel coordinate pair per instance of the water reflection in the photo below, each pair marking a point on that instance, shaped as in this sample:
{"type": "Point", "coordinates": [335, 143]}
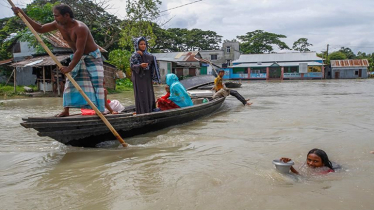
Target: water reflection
{"type": "Point", "coordinates": [222, 161]}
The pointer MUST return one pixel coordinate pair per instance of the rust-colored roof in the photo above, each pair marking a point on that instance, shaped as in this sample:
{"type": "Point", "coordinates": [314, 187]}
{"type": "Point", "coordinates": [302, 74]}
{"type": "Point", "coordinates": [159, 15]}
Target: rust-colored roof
{"type": "Point", "coordinates": [203, 60]}
{"type": "Point", "coordinates": [349, 63]}
{"type": "Point", "coordinates": [57, 40]}
{"type": "Point", "coordinates": [6, 61]}
{"type": "Point", "coordinates": [40, 61]}
{"type": "Point", "coordinates": [177, 56]}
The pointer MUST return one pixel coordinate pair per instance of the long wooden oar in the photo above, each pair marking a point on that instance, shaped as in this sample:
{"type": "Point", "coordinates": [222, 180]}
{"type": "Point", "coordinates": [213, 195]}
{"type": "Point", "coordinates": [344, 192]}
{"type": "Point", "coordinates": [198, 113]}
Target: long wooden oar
{"type": "Point", "coordinates": [107, 123]}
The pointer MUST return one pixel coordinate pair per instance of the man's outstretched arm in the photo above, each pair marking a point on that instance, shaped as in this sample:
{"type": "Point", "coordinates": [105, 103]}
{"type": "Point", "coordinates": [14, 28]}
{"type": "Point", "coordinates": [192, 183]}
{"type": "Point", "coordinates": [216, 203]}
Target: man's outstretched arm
{"type": "Point", "coordinates": [37, 26]}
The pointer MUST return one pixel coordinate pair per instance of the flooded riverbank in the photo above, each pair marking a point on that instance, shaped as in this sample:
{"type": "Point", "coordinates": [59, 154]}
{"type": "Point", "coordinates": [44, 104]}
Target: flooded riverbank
{"type": "Point", "coordinates": [223, 161]}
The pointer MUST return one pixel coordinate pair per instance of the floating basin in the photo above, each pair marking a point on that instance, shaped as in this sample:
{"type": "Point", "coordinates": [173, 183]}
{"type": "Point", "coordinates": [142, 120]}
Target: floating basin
{"type": "Point", "coordinates": [283, 167]}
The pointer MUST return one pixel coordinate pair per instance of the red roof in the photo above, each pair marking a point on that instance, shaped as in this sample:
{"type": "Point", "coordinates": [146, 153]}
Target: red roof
{"type": "Point", "coordinates": [57, 40]}
{"type": "Point", "coordinates": [6, 61]}
{"type": "Point", "coordinates": [349, 63]}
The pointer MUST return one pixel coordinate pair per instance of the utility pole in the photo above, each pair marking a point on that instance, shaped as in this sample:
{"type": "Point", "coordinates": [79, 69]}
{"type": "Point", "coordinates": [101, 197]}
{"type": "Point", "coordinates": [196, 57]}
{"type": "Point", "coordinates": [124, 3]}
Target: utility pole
{"type": "Point", "coordinates": [327, 61]}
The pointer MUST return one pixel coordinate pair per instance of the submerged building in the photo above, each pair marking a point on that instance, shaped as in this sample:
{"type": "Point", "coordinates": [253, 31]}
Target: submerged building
{"type": "Point", "coordinates": [349, 69]}
{"type": "Point", "coordinates": [281, 66]}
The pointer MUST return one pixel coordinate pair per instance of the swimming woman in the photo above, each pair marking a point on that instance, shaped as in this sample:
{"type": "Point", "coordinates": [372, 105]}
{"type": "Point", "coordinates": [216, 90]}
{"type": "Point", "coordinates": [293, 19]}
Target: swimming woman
{"type": "Point", "coordinates": [317, 162]}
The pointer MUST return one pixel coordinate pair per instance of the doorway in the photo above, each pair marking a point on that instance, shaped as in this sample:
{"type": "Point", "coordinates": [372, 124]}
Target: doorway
{"type": "Point", "coordinates": [275, 72]}
{"type": "Point", "coordinates": [337, 75]}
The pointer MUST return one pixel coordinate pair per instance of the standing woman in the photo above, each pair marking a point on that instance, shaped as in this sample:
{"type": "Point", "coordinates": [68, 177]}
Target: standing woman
{"type": "Point", "coordinates": [144, 71]}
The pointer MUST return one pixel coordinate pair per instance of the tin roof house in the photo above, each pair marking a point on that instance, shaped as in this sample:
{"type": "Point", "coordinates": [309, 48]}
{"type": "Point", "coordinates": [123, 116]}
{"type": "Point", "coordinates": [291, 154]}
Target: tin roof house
{"type": "Point", "coordinates": [182, 64]}
{"type": "Point", "coordinates": [306, 65]}
{"type": "Point", "coordinates": [349, 69]}
{"type": "Point", "coordinates": [41, 70]}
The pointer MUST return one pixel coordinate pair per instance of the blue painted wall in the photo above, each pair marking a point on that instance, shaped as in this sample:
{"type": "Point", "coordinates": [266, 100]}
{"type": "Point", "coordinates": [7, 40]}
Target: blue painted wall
{"type": "Point", "coordinates": [349, 73]}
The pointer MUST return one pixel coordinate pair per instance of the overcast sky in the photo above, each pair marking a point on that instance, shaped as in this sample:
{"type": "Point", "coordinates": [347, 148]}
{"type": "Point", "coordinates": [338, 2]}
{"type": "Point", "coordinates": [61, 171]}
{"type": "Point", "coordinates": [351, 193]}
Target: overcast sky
{"type": "Point", "coordinates": [339, 23]}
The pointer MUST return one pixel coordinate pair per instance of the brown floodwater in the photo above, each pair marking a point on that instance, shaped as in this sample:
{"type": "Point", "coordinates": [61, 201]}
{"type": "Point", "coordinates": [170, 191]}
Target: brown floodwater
{"type": "Point", "coordinates": [223, 161]}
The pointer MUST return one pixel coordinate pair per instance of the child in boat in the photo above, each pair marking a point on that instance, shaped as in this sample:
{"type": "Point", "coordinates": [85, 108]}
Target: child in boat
{"type": "Point", "coordinates": [164, 103]}
{"type": "Point", "coordinates": [317, 162]}
{"type": "Point", "coordinates": [112, 107]}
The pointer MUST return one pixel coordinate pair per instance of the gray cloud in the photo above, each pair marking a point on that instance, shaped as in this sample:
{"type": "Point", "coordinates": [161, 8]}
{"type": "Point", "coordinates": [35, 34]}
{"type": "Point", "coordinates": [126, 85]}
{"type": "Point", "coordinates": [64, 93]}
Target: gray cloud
{"type": "Point", "coordinates": [335, 22]}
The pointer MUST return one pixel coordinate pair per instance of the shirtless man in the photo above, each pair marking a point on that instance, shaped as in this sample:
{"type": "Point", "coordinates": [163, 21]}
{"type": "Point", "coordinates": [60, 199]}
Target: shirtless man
{"type": "Point", "coordinates": [80, 40]}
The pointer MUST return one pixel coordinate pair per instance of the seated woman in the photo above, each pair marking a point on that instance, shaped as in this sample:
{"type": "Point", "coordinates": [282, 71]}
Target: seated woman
{"type": "Point", "coordinates": [164, 103]}
{"type": "Point", "coordinates": [178, 94]}
{"type": "Point", "coordinates": [317, 162]}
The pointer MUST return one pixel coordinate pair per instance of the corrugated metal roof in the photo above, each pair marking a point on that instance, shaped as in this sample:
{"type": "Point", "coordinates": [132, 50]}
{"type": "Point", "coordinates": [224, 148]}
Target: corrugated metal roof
{"type": "Point", "coordinates": [177, 56]}
{"type": "Point", "coordinates": [349, 63]}
{"type": "Point", "coordinates": [278, 57]}
{"type": "Point", "coordinates": [6, 61]}
{"type": "Point", "coordinates": [298, 63]}
{"type": "Point", "coordinates": [57, 40]}
{"type": "Point", "coordinates": [40, 61]}
{"type": "Point", "coordinates": [248, 65]}
{"type": "Point", "coordinates": [259, 64]}
{"type": "Point", "coordinates": [202, 60]}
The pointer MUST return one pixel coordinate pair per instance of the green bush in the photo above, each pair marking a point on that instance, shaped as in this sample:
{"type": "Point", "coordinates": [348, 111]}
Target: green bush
{"type": "Point", "coordinates": [122, 85]}
{"type": "Point", "coordinates": [9, 90]}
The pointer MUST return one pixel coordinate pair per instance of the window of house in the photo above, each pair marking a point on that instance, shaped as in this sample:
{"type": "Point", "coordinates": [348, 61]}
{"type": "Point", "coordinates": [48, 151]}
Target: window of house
{"type": "Point", "coordinates": [228, 62]}
{"type": "Point", "coordinates": [314, 69]}
{"type": "Point", "coordinates": [240, 70]}
{"type": "Point", "coordinates": [258, 70]}
{"type": "Point", "coordinates": [356, 72]}
{"type": "Point", "coordinates": [291, 69]}
{"type": "Point", "coordinates": [213, 57]}
{"type": "Point", "coordinates": [228, 49]}
{"type": "Point", "coordinates": [17, 48]}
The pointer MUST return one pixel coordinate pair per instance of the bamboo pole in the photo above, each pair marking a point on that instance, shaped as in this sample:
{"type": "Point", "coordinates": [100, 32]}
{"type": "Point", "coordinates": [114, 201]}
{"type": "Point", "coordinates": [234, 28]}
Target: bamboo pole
{"type": "Point", "coordinates": [44, 80]}
{"type": "Point", "coordinates": [15, 80]}
{"type": "Point", "coordinates": [107, 123]}
{"type": "Point", "coordinates": [10, 76]}
{"type": "Point", "coordinates": [58, 83]}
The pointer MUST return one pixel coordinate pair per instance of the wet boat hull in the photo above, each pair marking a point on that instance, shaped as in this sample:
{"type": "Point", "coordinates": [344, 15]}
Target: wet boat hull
{"type": "Point", "coordinates": [88, 131]}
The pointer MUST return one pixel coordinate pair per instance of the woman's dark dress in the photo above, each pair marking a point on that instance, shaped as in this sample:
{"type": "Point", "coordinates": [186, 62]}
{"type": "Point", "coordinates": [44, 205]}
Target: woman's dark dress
{"type": "Point", "coordinates": [142, 82]}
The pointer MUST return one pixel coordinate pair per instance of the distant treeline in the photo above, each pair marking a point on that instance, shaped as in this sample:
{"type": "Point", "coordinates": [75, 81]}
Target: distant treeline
{"type": "Point", "coordinates": [143, 19]}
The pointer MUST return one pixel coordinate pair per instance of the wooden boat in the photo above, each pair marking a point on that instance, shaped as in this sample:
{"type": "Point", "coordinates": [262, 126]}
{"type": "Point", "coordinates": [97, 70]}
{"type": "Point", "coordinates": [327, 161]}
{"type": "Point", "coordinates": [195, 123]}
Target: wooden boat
{"type": "Point", "coordinates": [88, 131]}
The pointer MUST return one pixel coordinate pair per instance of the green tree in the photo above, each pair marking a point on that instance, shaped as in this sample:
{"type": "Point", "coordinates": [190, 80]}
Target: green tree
{"type": "Point", "coordinates": [362, 55]}
{"type": "Point", "coordinates": [301, 45]}
{"type": "Point", "coordinates": [121, 59]}
{"type": "Point", "coordinates": [42, 14]}
{"type": "Point", "coordinates": [165, 40]}
{"type": "Point", "coordinates": [348, 52]}
{"type": "Point", "coordinates": [181, 39]}
{"type": "Point", "coordinates": [105, 28]}
{"type": "Point", "coordinates": [370, 58]}
{"type": "Point", "coordinates": [133, 29]}
{"type": "Point", "coordinates": [9, 26]}
{"type": "Point", "coordinates": [140, 14]}
{"type": "Point", "coordinates": [337, 56]}
{"type": "Point", "coordinates": [203, 40]}
{"type": "Point", "coordinates": [260, 41]}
